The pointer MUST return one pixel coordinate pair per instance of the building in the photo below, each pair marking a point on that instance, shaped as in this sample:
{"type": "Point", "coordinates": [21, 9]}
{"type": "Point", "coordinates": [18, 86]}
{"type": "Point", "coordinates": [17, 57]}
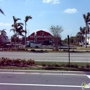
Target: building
{"type": "Point", "coordinates": [88, 40]}
{"type": "Point", "coordinates": [40, 36]}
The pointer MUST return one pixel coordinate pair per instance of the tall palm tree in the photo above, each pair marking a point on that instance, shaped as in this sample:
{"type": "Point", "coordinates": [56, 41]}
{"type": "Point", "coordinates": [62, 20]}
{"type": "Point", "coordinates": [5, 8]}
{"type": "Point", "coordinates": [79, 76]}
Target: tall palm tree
{"type": "Point", "coordinates": [26, 20]}
{"type": "Point", "coordinates": [87, 20]}
{"type": "Point", "coordinates": [17, 27]}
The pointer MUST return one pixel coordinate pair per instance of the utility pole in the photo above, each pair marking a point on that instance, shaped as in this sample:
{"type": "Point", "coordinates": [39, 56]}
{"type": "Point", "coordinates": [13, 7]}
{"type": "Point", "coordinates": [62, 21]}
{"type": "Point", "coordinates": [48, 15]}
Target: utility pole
{"type": "Point", "coordinates": [68, 50]}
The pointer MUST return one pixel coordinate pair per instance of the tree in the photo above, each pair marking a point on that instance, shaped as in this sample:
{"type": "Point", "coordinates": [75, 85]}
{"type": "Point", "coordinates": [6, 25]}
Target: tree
{"type": "Point", "coordinates": [3, 32]}
{"type": "Point", "coordinates": [15, 38]}
{"type": "Point", "coordinates": [17, 28]}
{"type": "Point", "coordinates": [79, 37]}
{"type": "Point", "coordinates": [26, 20]}
{"type": "Point", "coordinates": [82, 33]}
{"type": "Point", "coordinates": [56, 32]}
{"type": "Point", "coordinates": [87, 20]}
{"type": "Point", "coordinates": [3, 36]}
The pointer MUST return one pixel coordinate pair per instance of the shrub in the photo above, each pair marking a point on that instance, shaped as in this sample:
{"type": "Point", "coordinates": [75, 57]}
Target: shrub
{"type": "Point", "coordinates": [16, 62]}
{"type": "Point", "coordinates": [63, 65]}
{"type": "Point", "coordinates": [57, 65]}
{"type": "Point", "coordinates": [43, 65]}
{"type": "Point", "coordinates": [23, 63]}
{"type": "Point", "coordinates": [30, 62]}
{"type": "Point", "coordinates": [87, 66]}
{"type": "Point", "coordinates": [33, 50]}
{"type": "Point", "coordinates": [76, 66]}
{"type": "Point", "coordinates": [72, 66]}
{"type": "Point", "coordinates": [67, 65]}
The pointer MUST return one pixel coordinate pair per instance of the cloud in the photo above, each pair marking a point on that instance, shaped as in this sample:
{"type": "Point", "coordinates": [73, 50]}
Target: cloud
{"type": "Point", "coordinates": [51, 1]}
{"type": "Point", "coordinates": [70, 10]}
{"type": "Point", "coordinates": [5, 24]}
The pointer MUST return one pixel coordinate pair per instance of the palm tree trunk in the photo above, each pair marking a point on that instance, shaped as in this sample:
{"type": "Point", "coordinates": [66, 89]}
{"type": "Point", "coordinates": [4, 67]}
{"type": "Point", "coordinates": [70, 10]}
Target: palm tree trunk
{"type": "Point", "coordinates": [86, 35]}
{"type": "Point", "coordinates": [25, 34]}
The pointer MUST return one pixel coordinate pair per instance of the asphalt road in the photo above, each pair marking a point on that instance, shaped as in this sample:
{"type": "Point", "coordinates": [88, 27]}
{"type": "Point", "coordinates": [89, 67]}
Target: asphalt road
{"type": "Point", "coordinates": [42, 81]}
{"type": "Point", "coordinates": [60, 57]}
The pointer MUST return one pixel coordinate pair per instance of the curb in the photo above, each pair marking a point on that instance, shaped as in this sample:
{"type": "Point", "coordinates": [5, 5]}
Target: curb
{"type": "Point", "coordinates": [45, 71]}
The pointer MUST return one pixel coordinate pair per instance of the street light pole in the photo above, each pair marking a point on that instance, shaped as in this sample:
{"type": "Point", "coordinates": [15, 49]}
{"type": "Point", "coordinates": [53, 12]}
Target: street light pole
{"type": "Point", "coordinates": [68, 50]}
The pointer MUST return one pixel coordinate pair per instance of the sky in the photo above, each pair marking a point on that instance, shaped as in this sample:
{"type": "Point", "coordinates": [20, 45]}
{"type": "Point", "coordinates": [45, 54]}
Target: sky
{"type": "Point", "coordinates": [65, 13]}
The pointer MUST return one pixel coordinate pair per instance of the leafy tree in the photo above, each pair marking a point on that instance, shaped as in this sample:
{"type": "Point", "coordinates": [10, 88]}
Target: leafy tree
{"type": "Point", "coordinates": [79, 37]}
{"type": "Point", "coordinates": [82, 33]}
{"type": "Point", "coordinates": [56, 32]}
{"type": "Point", "coordinates": [3, 36]}
{"type": "Point", "coordinates": [3, 32]}
{"type": "Point", "coordinates": [15, 38]}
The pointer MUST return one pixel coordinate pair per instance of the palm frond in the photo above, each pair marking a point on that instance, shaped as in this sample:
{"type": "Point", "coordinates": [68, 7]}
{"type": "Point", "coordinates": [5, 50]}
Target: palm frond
{"type": "Point", "coordinates": [27, 18]}
{"type": "Point", "coordinates": [20, 24]}
{"type": "Point", "coordinates": [85, 17]}
{"type": "Point", "coordinates": [15, 19]}
{"type": "Point", "coordinates": [12, 30]}
{"type": "Point", "coordinates": [2, 11]}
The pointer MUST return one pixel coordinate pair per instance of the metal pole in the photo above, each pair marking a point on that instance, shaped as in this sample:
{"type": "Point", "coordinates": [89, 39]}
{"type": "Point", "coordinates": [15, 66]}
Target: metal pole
{"type": "Point", "coordinates": [68, 50]}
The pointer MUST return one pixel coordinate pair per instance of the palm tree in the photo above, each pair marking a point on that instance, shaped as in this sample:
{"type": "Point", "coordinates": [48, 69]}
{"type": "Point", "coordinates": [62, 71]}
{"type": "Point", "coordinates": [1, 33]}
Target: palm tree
{"type": "Point", "coordinates": [17, 27]}
{"type": "Point", "coordinates": [3, 32]}
{"type": "Point", "coordinates": [26, 19]}
{"type": "Point", "coordinates": [3, 36]}
{"type": "Point", "coordinates": [87, 20]}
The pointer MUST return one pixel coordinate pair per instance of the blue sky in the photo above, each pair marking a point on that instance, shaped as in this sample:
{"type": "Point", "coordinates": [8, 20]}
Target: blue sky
{"type": "Point", "coordinates": [65, 13]}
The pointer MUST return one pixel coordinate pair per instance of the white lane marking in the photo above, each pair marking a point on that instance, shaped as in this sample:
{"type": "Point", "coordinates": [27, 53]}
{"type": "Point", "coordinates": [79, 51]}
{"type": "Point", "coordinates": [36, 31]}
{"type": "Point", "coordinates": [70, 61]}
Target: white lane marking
{"type": "Point", "coordinates": [42, 73]}
{"type": "Point", "coordinates": [88, 76]}
{"type": "Point", "coordinates": [44, 85]}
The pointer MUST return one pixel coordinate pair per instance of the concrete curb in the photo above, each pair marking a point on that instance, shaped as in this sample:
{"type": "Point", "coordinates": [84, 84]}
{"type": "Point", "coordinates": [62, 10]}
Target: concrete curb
{"type": "Point", "coordinates": [44, 71]}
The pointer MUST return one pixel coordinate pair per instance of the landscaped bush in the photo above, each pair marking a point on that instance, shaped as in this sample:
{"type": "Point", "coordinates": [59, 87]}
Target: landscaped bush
{"type": "Point", "coordinates": [43, 65]}
{"type": "Point", "coordinates": [72, 66]}
{"type": "Point", "coordinates": [30, 62]}
{"type": "Point", "coordinates": [57, 65]}
{"type": "Point", "coordinates": [16, 62]}
{"type": "Point", "coordinates": [33, 50]}
{"type": "Point", "coordinates": [63, 65]}
{"type": "Point", "coordinates": [76, 66]}
{"type": "Point", "coordinates": [67, 65]}
{"type": "Point", "coordinates": [87, 66]}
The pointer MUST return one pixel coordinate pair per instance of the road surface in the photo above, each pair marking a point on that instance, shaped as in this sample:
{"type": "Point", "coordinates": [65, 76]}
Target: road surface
{"type": "Point", "coordinates": [42, 81]}
{"type": "Point", "coordinates": [60, 57]}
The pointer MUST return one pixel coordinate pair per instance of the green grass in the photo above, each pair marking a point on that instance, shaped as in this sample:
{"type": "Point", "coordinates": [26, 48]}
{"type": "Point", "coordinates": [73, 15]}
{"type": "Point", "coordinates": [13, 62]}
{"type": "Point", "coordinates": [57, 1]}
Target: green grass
{"type": "Point", "coordinates": [61, 63]}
